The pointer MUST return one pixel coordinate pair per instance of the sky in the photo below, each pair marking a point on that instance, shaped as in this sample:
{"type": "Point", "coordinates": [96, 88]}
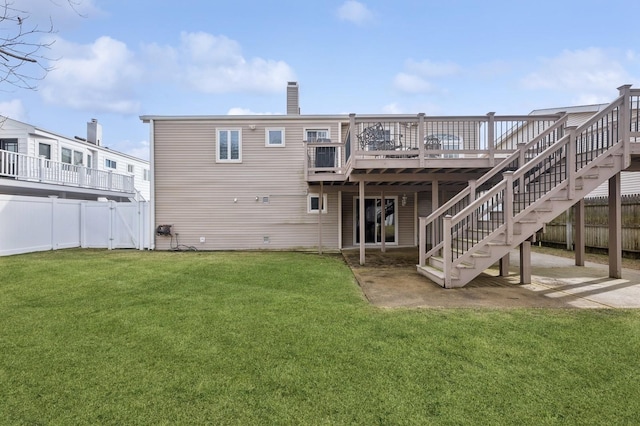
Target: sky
{"type": "Point", "coordinates": [115, 60]}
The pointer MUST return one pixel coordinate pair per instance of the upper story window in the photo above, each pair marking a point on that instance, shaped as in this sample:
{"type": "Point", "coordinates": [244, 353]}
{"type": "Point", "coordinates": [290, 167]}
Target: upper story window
{"type": "Point", "coordinates": [274, 137]}
{"type": "Point", "coordinates": [110, 164]}
{"type": "Point", "coordinates": [145, 174]}
{"type": "Point", "coordinates": [229, 147]}
{"type": "Point", "coordinates": [44, 151]}
{"type": "Point", "coordinates": [316, 135]}
{"type": "Point", "coordinates": [69, 156]}
{"type": "Point", "coordinates": [130, 168]}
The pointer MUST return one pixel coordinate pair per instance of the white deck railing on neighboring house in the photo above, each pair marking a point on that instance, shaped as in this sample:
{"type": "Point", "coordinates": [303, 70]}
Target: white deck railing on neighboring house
{"type": "Point", "coordinates": [36, 169]}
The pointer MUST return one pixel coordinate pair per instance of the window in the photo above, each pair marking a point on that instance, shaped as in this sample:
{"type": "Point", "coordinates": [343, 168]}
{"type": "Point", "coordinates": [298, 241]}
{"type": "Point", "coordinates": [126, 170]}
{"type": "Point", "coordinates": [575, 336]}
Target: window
{"type": "Point", "coordinates": [313, 203]}
{"type": "Point", "coordinates": [317, 135]}
{"type": "Point", "coordinates": [78, 158]}
{"type": "Point", "coordinates": [69, 156]}
{"type": "Point", "coordinates": [44, 151]}
{"type": "Point", "coordinates": [130, 168]}
{"type": "Point", "coordinates": [145, 174]}
{"type": "Point", "coordinates": [65, 155]}
{"type": "Point", "coordinates": [111, 164]}
{"type": "Point", "coordinates": [229, 147]}
{"type": "Point", "coordinates": [274, 137]}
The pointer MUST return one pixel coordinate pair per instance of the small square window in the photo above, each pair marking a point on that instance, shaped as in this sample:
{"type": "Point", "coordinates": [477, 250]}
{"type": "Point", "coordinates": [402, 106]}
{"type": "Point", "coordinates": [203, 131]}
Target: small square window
{"type": "Point", "coordinates": [130, 168]}
{"type": "Point", "coordinates": [274, 137]}
{"type": "Point", "coordinates": [265, 200]}
{"type": "Point", "coordinates": [313, 203]}
{"type": "Point", "coordinates": [110, 164]}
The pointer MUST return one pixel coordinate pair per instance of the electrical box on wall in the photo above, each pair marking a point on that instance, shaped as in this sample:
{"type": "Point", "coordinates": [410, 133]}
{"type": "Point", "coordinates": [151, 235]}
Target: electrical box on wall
{"type": "Point", "coordinates": [163, 230]}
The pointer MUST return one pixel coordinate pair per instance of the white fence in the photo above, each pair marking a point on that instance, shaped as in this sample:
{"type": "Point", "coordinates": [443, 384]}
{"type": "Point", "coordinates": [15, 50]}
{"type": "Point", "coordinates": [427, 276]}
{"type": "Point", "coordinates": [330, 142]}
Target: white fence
{"type": "Point", "coordinates": [29, 224]}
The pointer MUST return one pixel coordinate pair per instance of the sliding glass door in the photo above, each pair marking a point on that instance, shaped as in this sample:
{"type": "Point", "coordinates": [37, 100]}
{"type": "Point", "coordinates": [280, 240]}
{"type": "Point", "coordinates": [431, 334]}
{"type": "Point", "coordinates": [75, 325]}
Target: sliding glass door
{"type": "Point", "coordinates": [374, 227]}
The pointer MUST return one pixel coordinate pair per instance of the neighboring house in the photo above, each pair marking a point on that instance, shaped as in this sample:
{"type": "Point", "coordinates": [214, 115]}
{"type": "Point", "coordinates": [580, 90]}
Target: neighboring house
{"type": "Point", "coordinates": [310, 182]}
{"type": "Point", "coordinates": [38, 162]}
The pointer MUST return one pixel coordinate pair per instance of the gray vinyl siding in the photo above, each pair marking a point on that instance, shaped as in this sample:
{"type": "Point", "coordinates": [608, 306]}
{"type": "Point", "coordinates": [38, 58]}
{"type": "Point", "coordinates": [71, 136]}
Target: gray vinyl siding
{"type": "Point", "coordinates": [196, 194]}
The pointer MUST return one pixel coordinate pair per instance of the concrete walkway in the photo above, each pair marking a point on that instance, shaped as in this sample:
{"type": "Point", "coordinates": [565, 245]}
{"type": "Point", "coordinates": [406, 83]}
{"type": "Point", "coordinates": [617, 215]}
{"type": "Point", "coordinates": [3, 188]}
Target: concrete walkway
{"type": "Point", "coordinates": [586, 286]}
{"type": "Point", "coordinates": [390, 280]}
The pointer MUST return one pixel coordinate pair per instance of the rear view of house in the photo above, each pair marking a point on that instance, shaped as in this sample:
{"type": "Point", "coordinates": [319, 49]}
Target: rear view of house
{"type": "Point", "coordinates": [328, 182]}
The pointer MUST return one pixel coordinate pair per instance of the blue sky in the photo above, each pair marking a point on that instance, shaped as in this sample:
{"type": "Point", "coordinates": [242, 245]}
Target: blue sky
{"type": "Point", "coordinates": [119, 59]}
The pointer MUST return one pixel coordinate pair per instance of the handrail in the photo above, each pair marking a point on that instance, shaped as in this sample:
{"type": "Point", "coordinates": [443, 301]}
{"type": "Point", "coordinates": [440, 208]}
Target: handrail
{"type": "Point", "coordinates": [565, 146]}
{"type": "Point", "coordinates": [466, 192]}
{"type": "Point", "coordinates": [38, 169]}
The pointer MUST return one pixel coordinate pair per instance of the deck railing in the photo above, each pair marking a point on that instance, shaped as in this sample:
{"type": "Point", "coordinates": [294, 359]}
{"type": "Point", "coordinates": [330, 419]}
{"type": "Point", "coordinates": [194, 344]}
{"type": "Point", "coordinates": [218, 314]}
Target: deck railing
{"type": "Point", "coordinates": [38, 169]}
{"type": "Point", "coordinates": [427, 138]}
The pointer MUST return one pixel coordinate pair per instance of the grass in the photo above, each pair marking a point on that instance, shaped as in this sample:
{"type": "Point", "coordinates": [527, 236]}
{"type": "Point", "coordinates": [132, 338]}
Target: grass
{"type": "Point", "coordinates": [124, 337]}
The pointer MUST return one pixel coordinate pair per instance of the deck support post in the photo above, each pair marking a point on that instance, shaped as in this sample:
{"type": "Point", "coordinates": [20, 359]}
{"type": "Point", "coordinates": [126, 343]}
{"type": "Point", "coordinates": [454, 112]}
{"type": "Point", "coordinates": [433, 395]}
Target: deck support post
{"type": "Point", "coordinates": [504, 265]}
{"type": "Point", "coordinates": [361, 221]}
{"type": "Point", "coordinates": [525, 262]}
{"type": "Point", "coordinates": [320, 207]}
{"type": "Point", "coordinates": [383, 229]}
{"type": "Point", "coordinates": [579, 231]}
{"type": "Point", "coordinates": [615, 228]}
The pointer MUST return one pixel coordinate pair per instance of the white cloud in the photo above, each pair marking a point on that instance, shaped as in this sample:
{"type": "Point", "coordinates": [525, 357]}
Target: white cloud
{"type": "Point", "coordinates": [409, 83]}
{"type": "Point", "coordinates": [101, 76]}
{"type": "Point", "coordinates": [356, 12]}
{"type": "Point", "coordinates": [13, 109]}
{"type": "Point", "coordinates": [215, 64]}
{"type": "Point", "coordinates": [593, 74]}
{"type": "Point", "coordinates": [417, 76]}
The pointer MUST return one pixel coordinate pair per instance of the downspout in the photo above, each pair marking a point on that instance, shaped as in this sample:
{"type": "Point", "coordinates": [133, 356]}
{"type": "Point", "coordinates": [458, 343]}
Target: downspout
{"type": "Point", "coordinates": [152, 186]}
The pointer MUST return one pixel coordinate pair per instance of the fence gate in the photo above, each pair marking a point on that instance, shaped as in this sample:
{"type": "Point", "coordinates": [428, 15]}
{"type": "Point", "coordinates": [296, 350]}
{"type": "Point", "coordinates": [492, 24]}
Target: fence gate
{"type": "Point", "coordinates": [114, 225]}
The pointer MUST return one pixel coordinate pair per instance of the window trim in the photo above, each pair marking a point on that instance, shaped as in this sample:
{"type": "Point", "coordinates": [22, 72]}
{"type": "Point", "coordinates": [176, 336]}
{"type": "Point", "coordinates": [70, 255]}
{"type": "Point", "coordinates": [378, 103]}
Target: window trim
{"type": "Point", "coordinates": [229, 130]}
{"type": "Point", "coordinates": [312, 195]}
{"type": "Point", "coordinates": [267, 141]}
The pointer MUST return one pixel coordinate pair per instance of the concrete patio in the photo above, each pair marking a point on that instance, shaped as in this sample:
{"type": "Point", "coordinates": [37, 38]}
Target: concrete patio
{"type": "Point", "coordinates": [390, 280]}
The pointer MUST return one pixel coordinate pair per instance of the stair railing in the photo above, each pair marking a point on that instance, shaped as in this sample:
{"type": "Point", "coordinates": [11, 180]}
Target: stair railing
{"type": "Point", "coordinates": [431, 227]}
{"type": "Point", "coordinates": [514, 197]}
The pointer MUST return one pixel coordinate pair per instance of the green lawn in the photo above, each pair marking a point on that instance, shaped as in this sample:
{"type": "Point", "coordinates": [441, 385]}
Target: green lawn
{"type": "Point", "coordinates": [128, 337]}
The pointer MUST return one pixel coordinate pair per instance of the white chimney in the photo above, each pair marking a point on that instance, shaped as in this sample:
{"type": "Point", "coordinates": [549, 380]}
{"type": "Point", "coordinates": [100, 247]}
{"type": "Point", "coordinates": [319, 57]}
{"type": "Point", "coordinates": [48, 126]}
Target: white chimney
{"type": "Point", "coordinates": [293, 101]}
{"type": "Point", "coordinates": [94, 132]}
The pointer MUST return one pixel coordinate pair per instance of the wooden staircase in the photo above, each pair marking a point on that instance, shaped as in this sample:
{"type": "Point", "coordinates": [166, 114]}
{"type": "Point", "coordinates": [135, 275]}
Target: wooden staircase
{"type": "Point", "coordinates": [508, 205]}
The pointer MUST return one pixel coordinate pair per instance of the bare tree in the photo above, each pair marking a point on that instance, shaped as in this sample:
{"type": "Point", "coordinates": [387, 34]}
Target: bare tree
{"type": "Point", "coordinates": [23, 47]}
